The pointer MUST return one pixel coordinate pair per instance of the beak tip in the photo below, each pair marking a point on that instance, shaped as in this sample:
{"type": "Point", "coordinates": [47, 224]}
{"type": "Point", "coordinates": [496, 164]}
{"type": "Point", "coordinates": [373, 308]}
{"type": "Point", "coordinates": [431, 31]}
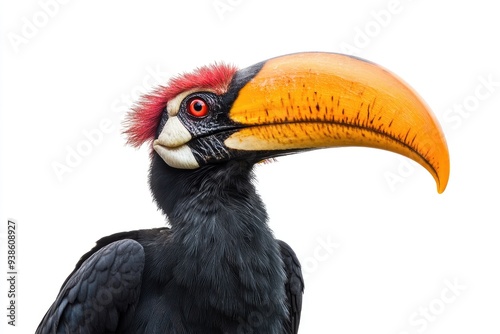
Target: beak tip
{"type": "Point", "coordinates": [442, 179]}
{"type": "Point", "coordinates": [442, 184]}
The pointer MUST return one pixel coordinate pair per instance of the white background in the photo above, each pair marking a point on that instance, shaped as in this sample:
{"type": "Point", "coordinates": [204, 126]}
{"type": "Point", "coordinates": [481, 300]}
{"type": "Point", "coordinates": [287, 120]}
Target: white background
{"type": "Point", "coordinates": [392, 249]}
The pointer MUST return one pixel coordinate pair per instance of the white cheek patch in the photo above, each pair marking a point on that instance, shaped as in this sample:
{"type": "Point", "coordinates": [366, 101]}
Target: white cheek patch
{"type": "Point", "coordinates": [174, 134]}
{"type": "Point", "coordinates": [171, 145]}
{"type": "Point", "coordinates": [179, 157]}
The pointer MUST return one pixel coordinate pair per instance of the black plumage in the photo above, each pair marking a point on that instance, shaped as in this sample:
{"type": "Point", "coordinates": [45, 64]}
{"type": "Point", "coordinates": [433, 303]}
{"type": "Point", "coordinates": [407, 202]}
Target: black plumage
{"type": "Point", "coordinates": [218, 269]}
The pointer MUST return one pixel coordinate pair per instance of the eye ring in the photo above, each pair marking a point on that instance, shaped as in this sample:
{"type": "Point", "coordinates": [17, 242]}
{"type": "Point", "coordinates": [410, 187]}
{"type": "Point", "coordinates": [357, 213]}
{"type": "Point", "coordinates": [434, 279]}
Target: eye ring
{"type": "Point", "coordinates": [197, 107]}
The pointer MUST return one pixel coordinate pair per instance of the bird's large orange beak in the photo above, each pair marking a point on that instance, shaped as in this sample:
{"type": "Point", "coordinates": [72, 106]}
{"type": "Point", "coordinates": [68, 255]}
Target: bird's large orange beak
{"type": "Point", "coordinates": [319, 100]}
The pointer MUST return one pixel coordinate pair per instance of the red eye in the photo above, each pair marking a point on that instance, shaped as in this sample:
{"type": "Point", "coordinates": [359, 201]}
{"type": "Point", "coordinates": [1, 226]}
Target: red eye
{"type": "Point", "coordinates": [197, 107]}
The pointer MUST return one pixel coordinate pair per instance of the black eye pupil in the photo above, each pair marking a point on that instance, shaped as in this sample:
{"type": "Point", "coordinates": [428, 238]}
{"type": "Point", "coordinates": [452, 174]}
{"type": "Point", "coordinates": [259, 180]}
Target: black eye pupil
{"type": "Point", "coordinates": [198, 106]}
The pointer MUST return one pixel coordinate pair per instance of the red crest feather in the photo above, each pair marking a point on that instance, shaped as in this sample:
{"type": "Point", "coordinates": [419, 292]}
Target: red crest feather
{"type": "Point", "coordinates": [142, 122]}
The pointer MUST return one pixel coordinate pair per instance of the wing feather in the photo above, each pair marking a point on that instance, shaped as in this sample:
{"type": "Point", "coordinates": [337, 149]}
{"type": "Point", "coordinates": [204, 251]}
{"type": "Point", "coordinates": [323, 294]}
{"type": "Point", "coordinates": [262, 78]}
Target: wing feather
{"type": "Point", "coordinates": [105, 285]}
{"type": "Point", "coordinates": [294, 287]}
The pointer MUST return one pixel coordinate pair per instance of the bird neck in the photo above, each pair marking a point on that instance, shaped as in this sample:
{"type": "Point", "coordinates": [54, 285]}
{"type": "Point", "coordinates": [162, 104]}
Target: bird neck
{"type": "Point", "coordinates": [221, 237]}
{"type": "Point", "coordinates": [190, 198]}
{"type": "Point", "coordinates": [214, 207]}
{"type": "Point", "coordinates": [222, 253]}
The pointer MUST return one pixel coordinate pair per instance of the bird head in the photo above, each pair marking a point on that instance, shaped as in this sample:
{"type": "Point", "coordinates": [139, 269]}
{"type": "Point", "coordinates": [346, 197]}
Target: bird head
{"type": "Point", "coordinates": [287, 105]}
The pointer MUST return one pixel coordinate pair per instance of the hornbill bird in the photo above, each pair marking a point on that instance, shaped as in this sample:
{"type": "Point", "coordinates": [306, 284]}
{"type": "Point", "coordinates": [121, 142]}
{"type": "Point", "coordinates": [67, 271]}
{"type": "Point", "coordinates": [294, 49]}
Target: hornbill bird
{"type": "Point", "coordinates": [218, 268]}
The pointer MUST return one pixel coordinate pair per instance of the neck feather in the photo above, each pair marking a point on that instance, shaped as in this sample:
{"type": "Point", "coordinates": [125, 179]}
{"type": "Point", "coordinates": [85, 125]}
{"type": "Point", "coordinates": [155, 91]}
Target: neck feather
{"type": "Point", "coordinates": [219, 229]}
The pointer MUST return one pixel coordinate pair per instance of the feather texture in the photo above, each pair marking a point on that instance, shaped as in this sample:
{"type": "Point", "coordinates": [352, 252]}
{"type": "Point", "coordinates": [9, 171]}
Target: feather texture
{"type": "Point", "coordinates": [142, 122]}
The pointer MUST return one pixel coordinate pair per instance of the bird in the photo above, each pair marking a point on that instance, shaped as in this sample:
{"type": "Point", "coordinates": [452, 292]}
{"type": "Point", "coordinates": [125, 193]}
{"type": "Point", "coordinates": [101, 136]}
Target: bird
{"type": "Point", "coordinates": [216, 266]}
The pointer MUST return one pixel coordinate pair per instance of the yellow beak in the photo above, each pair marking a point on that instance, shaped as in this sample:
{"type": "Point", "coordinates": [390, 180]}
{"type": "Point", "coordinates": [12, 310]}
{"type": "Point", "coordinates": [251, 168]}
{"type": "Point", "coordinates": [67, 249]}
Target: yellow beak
{"type": "Point", "coordinates": [319, 100]}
